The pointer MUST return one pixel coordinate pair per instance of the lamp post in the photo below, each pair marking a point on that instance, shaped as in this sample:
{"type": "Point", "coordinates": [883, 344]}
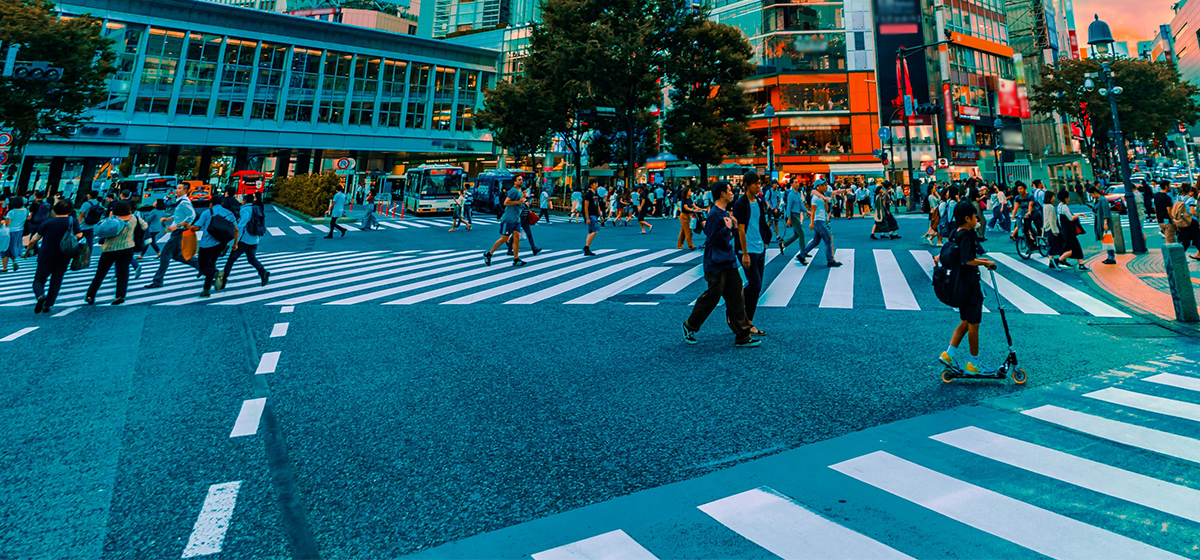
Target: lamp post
{"type": "Point", "coordinates": [999, 126]}
{"type": "Point", "coordinates": [769, 112]}
{"type": "Point", "coordinates": [1100, 36]}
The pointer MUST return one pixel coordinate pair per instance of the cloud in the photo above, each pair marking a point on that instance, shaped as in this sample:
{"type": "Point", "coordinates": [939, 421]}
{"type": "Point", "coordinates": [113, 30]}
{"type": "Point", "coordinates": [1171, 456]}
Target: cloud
{"type": "Point", "coordinates": [1129, 20]}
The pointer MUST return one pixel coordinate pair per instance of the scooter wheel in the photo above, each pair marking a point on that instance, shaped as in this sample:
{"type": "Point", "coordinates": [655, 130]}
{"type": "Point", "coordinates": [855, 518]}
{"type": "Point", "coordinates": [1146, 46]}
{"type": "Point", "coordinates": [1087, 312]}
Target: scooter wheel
{"type": "Point", "coordinates": [1018, 376]}
{"type": "Point", "coordinates": [947, 376]}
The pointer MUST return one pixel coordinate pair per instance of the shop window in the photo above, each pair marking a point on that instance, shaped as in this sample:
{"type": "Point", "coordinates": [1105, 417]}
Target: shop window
{"type": "Point", "coordinates": [813, 97]}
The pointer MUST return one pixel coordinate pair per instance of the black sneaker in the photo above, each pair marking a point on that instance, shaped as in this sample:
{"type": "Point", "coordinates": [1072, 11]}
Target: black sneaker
{"type": "Point", "coordinates": [748, 343]}
{"type": "Point", "coordinates": [588, 252]}
{"type": "Point", "coordinates": [689, 335]}
{"type": "Point", "coordinates": [37, 308]}
{"type": "Point", "coordinates": [204, 293]}
{"type": "Point", "coordinates": [266, 276]}
{"type": "Point", "coordinates": [835, 264]}
{"type": "Point", "coordinates": [536, 251]}
{"type": "Point", "coordinates": [487, 259]}
{"type": "Point", "coordinates": [152, 286]}
{"type": "Point", "coordinates": [518, 262]}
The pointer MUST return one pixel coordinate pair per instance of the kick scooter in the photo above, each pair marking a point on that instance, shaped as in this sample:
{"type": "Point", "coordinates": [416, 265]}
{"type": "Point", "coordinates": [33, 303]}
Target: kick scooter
{"type": "Point", "coordinates": [1010, 363]}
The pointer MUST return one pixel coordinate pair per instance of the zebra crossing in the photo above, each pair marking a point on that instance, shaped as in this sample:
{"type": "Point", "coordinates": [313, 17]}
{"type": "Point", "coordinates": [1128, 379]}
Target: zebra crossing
{"type": "Point", "coordinates": [893, 280]}
{"type": "Point", "coordinates": [309, 229]}
{"type": "Point", "coordinates": [1108, 473]}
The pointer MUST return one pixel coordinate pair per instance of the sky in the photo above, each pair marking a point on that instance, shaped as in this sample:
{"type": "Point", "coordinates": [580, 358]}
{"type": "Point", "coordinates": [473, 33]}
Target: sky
{"type": "Point", "coordinates": [1130, 20]}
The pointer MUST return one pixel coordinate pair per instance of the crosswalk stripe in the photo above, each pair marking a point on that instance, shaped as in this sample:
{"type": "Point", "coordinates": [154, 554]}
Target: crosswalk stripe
{"type": "Point", "coordinates": [678, 283]}
{"type": "Point", "coordinates": [507, 287]}
{"type": "Point", "coordinates": [392, 225]}
{"type": "Point", "coordinates": [684, 259]}
{"type": "Point", "coordinates": [1163, 443]}
{"type": "Point", "coordinates": [586, 279]}
{"type": "Point", "coordinates": [1088, 303]}
{"type": "Point", "coordinates": [618, 286]}
{"type": "Point", "coordinates": [349, 227]}
{"type": "Point", "coordinates": [896, 293]}
{"type": "Point", "coordinates": [300, 230]}
{"type": "Point", "coordinates": [1018, 522]}
{"type": "Point", "coordinates": [839, 287]}
{"type": "Point", "coordinates": [275, 231]}
{"type": "Point", "coordinates": [1180, 381]}
{"type": "Point", "coordinates": [1018, 297]}
{"type": "Point", "coordinates": [414, 223]}
{"type": "Point", "coordinates": [790, 530]}
{"type": "Point", "coordinates": [389, 266]}
{"type": "Point", "coordinates": [1149, 403]}
{"type": "Point", "coordinates": [320, 227]}
{"type": "Point", "coordinates": [781, 290]}
{"type": "Point", "coordinates": [1085, 473]}
{"type": "Point", "coordinates": [612, 545]}
{"type": "Point", "coordinates": [389, 277]}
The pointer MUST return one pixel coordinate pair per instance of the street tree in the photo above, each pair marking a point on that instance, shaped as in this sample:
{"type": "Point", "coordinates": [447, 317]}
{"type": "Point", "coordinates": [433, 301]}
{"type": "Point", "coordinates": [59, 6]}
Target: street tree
{"type": "Point", "coordinates": [518, 115]}
{"type": "Point", "coordinates": [704, 63]}
{"type": "Point", "coordinates": [39, 109]}
{"type": "Point", "coordinates": [1153, 101]}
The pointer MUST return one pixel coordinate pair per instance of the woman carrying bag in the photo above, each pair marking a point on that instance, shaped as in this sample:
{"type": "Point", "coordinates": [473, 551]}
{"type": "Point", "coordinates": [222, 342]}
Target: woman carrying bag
{"type": "Point", "coordinates": [885, 222]}
{"type": "Point", "coordinates": [116, 248]}
{"type": "Point", "coordinates": [1069, 230]}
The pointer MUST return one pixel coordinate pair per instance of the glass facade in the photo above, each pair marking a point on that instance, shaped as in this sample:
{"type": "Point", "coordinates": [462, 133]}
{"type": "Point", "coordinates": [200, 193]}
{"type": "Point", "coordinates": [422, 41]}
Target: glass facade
{"type": "Point", "coordinates": [161, 61]}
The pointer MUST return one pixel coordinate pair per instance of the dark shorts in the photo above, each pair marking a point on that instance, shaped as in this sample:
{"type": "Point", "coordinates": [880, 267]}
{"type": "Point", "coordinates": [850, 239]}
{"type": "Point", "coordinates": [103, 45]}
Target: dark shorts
{"type": "Point", "coordinates": [510, 228]}
{"type": "Point", "coordinates": [971, 313]}
{"type": "Point", "coordinates": [593, 224]}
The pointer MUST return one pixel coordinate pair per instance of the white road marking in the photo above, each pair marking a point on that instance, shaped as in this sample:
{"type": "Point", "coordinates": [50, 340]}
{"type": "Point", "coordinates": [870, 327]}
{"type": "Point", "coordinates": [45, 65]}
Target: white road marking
{"type": "Point", "coordinates": [209, 531]}
{"type": "Point", "coordinates": [1018, 297]}
{"type": "Point", "coordinates": [280, 329]}
{"type": "Point", "coordinates": [247, 420]}
{"type": "Point", "coordinates": [1020, 523]}
{"type": "Point", "coordinates": [783, 288]}
{"type": "Point", "coordinates": [285, 215]}
{"type": "Point", "coordinates": [1180, 381]}
{"type": "Point", "coordinates": [296, 273]}
{"type": "Point", "coordinates": [678, 283]}
{"type": "Point", "coordinates": [1099, 477]}
{"type": "Point", "coordinates": [683, 259]}
{"type": "Point", "coordinates": [300, 230]}
{"type": "Point", "coordinates": [1088, 303]}
{"type": "Point", "coordinates": [413, 223]}
{"type": "Point", "coordinates": [448, 264]}
{"type": "Point", "coordinates": [18, 334]}
{"type": "Point", "coordinates": [287, 309]}
{"type": "Point", "coordinates": [554, 267]}
{"type": "Point", "coordinates": [609, 546]}
{"type": "Point", "coordinates": [344, 273]}
{"type": "Point", "coordinates": [320, 227]}
{"type": "Point", "coordinates": [392, 225]}
{"type": "Point", "coordinates": [267, 363]}
{"type": "Point", "coordinates": [791, 531]}
{"type": "Point", "coordinates": [586, 279]}
{"type": "Point", "coordinates": [275, 231]}
{"type": "Point", "coordinates": [1164, 443]}
{"type": "Point", "coordinates": [839, 287]}
{"type": "Point", "coordinates": [896, 293]}
{"type": "Point", "coordinates": [65, 312]}
{"type": "Point", "coordinates": [1149, 403]}
{"type": "Point", "coordinates": [618, 286]}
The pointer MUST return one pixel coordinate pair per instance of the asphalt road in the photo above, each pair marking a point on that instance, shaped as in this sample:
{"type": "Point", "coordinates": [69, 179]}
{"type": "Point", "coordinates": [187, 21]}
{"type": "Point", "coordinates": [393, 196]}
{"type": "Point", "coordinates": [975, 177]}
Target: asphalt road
{"type": "Point", "coordinates": [391, 429]}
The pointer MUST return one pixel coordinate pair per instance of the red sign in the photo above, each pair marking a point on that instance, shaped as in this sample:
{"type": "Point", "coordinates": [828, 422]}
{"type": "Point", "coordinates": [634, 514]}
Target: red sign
{"type": "Point", "coordinates": [948, 107]}
{"type": "Point", "coordinates": [968, 112]}
{"type": "Point", "coordinates": [314, 12]}
{"type": "Point", "coordinates": [1074, 42]}
{"type": "Point", "coordinates": [1010, 102]}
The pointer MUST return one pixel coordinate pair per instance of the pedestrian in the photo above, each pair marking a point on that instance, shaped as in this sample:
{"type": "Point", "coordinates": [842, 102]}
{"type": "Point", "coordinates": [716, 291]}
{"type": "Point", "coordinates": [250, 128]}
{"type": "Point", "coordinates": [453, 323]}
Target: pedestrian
{"type": "Point", "coordinates": [970, 311]}
{"type": "Point", "coordinates": [180, 221]}
{"type": "Point", "coordinates": [863, 195]}
{"type": "Point", "coordinates": [576, 204]}
{"type": "Point", "coordinates": [117, 250]}
{"type": "Point", "coordinates": [524, 216]}
{"type": "Point", "coordinates": [602, 201]}
{"type": "Point", "coordinates": [687, 210]}
{"type": "Point", "coordinates": [1102, 211]}
{"type": "Point", "coordinates": [14, 220]}
{"type": "Point", "coordinates": [644, 205]}
{"type": "Point", "coordinates": [1187, 225]}
{"type": "Point", "coordinates": [251, 225]}
{"type": "Point", "coordinates": [591, 214]}
{"type": "Point", "coordinates": [721, 274]}
{"type": "Point", "coordinates": [658, 200]}
{"type": "Point", "coordinates": [754, 236]}
{"type": "Point", "coordinates": [90, 214]}
{"type": "Point", "coordinates": [544, 204]}
{"type": "Point", "coordinates": [216, 239]}
{"type": "Point", "coordinates": [462, 210]}
{"type": "Point", "coordinates": [794, 211]}
{"type": "Point", "coordinates": [52, 264]}
{"type": "Point", "coordinates": [950, 199]}
{"type": "Point", "coordinates": [154, 227]}
{"type": "Point", "coordinates": [934, 202]}
{"type": "Point", "coordinates": [510, 224]}
{"type": "Point", "coordinates": [1068, 233]}
{"type": "Point", "coordinates": [818, 222]}
{"type": "Point", "coordinates": [885, 222]}
{"type": "Point", "coordinates": [337, 209]}
{"type": "Point", "coordinates": [1162, 210]}
{"type": "Point", "coordinates": [370, 222]}
{"type": "Point", "coordinates": [1147, 197]}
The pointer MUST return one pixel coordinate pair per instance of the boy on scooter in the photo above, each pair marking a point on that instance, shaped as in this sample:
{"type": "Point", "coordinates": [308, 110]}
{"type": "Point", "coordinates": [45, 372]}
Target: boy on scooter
{"type": "Point", "coordinates": [971, 312]}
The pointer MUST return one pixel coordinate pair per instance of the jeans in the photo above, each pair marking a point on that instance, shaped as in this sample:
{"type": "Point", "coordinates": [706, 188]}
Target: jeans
{"type": "Point", "coordinates": [722, 284]}
{"type": "Point", "coordinates": [546, 214]}
{"type": "Point", "coordinates": [821, 233]}
{"type": "Point", "coordinates": [334, 225]}
{"type": "Point", "coordinates": [208, 263]}
{"type": "Point", "coordinates": [122, 259]}
{"type": "Point", "coordinates": [369, 221]}
{"type": "Point", "coordinates": [754, 278]}
{"type": "Point", "coordinates": [797, 230]}
{"type": "Point", "coordinates": [54, 270]}
{"type": "Point", "coordinates": [251, 252]}
{"type": "Point", "coordinates": [171, 250]}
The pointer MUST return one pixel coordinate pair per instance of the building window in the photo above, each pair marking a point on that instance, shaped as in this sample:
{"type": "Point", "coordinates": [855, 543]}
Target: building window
{"type": "Point", "coordinates": [813, 97]}
{"type": "Point", "coordinates": [816, 139]}
{"type": "Point", "coordinates": [812, 52]}
{"type": "Point", "coordinates": [235, 78]}
{"type": "Point", "coordinates": [302, 89]}
{"type": "Point", "coordinates": [392, 108]}
{"type": "Point", "coordinates": [443, 97]}
{"type": "Point", "coordinates": [163, 51]}
{"type": "Point", "coordinates": [366, 83]}
{"type": "Point", "coordinates": [127, 38]}
{"type": "Point", "coordinates": [805, 17]}
{"type": "Point", "coordinates": [271, 60]}
{"type": "Point", "coordinates": [199, 74]}
{"type": "Point", "coordinates": [418, 95]}
{"type": "Point", "coordinates": [468, 80]}
{"type": "Point", "coordinates": [334, 87]}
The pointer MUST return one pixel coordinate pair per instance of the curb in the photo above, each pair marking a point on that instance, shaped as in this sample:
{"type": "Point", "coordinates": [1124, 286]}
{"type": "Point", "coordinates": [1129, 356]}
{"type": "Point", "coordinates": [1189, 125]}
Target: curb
{"type": "Point", "coordinates": [1161, 313]}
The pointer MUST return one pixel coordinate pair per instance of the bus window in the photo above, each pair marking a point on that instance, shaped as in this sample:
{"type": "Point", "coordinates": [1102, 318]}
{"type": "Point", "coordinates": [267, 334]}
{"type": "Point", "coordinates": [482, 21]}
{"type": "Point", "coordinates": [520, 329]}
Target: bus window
{"type": "Point", "coordinates": [441, 182]}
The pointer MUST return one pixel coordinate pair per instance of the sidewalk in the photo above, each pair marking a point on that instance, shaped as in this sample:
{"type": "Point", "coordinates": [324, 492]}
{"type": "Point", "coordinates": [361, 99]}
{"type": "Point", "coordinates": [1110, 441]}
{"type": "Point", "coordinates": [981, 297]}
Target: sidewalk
{"type": "Point", "coordinates": [1140, 281]}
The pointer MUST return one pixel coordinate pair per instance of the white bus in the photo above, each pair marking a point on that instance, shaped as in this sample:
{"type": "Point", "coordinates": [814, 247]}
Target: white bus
{"type": "Point", "coordinates": [432, 189]}
{"type": "Point", "coordinates": [391, 188]}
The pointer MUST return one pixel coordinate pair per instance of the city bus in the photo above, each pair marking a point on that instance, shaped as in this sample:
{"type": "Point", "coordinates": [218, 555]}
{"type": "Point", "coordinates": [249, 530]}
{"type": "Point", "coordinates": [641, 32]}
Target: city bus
{"type": "Point", "coordinates": [249, 182]}
{"type": "Point", "coordinates": [391, 188]}
{"type": "Point", "coordinates": [432, 188]}
{"type": "Point", "coordinates": [148, 188]}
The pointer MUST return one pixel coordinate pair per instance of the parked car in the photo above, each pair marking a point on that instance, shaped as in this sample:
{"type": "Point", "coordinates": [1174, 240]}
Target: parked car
{"type": "Point", "coordinates": [199, 191]}
{"type": "Point", "coordinates": [1115, 195]}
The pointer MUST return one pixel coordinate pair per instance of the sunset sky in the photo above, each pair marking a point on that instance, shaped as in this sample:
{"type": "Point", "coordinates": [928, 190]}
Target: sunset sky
{"type": "Point", "coordinates": [1131, 20]}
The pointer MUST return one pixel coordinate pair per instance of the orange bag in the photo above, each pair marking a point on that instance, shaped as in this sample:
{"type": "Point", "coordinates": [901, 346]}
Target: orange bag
{"type": "Point", "coordinates": [187, 245]}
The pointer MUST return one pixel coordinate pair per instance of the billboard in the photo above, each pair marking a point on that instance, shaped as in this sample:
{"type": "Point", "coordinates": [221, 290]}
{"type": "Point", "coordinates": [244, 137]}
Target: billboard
{"type": "Point", "coordinates": [898, 24]}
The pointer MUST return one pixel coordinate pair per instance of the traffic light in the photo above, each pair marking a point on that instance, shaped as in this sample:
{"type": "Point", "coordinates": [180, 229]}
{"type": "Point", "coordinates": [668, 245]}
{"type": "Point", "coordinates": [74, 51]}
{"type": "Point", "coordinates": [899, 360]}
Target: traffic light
{"type": "Point", "coordinates": [929, 109]}
{"type": "Point", "coordinates": [585, 118]}
{"type": "Point", "coordinates": [37, 71]}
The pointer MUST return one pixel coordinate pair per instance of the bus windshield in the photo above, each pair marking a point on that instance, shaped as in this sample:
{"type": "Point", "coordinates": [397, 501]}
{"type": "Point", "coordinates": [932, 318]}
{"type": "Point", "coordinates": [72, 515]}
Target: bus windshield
{"type": "Point", "coordinates": [441, 182]}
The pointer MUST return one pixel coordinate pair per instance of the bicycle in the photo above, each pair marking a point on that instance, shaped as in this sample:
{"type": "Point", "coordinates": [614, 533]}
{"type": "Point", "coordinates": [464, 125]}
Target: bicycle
{"type": "Point", "coordinates": [1027, 243]}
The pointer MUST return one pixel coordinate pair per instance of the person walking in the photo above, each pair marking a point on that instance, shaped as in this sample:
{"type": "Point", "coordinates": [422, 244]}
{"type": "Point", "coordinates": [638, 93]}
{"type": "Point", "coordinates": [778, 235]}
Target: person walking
{"type": "Point", "coordinates": [687, 210]}
{"type": "Point", "coordinates": [970, 312]}
{"type": "Point", "coordinates": [1162, 211]}
{"type": "Point", "coordinates": [527, 192]}
{"type": "Point", "coordinates": [753, 236]}
{"type": "Point", "coordinates": [180, 221]}
{"type": "Point", "coordinates": [370, 222]}
{"type": "Point", "coordinates": [591, 214]}
{"type": "Point", "coordinates": [544, 204]}
{"type": "Point", "coordinates": [39, 212]}
{"type": "Point", "coordinates": [462, 210]}
{"type": "Point", "coordinates": [51, 262]}
{"type": "Point", "coordinates": [90, 214]}
{"type": "Point", "coordinates": [251, 225]}
{"type": "Point", "coordinates": [1102, 212]}
{"type": "Point", "coordinates": [863, 196]}
{"type": "Point", "coordinates": [337, 209]}
{"type": "Point", "coordinates": [510, 224]}
{"type": "Point", "coordinates": [1185, 219]}
{"type": "Point", "coordinates": [212, 245]}
{"type": "Point", "coordinates": [576, 204]}
{"type": "Point", "coordinates": [818, 222]}
{"type": "Point", "coordinates": [154, 226]}
{"type": "Point", "coordinates": [795, 212]}
{"type": "Point", "coordinates": [645, 203]}
{"type": "Point", "coordinates": [117, 251]}
{"type": "Point", "coordinates": [15, 220]}
{"type": "Point", "coordinates": [721, 274]}
{"type": "Point", "coordinates": [1068, 233]}
{"type": "Point", "coordinates": [885, 222]}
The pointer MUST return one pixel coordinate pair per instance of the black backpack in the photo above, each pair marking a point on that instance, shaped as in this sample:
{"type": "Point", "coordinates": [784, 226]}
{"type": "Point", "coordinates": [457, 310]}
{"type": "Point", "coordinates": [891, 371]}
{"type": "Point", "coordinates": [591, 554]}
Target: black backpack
{"type": "Point", "coordinates": [220, 228]}
{"type": "Point", "coordinates": [946, 284]}
{"type": "Point", "coordinates": [94, 214]}
{"type": "Point", "coordinates": [42, 214]}
{"type": "Point", "coordinates": [257, 226]}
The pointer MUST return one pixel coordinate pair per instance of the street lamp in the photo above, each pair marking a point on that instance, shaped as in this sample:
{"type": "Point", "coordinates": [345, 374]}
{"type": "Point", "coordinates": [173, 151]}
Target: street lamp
{"type": "Point", "coordinates": [999, 126]}
{"type": "Point", "coordinates": [769, 112]}
{"type": "Point", "coordinates": [1100, 36]}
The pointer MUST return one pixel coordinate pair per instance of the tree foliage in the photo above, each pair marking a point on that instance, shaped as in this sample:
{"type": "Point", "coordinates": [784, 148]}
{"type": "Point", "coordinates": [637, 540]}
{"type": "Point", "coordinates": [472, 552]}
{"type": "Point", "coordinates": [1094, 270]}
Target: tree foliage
{"type": "Point", "coordinates": [309, 194]}
{"type": "Point", "coordinates": [35, 110]}
{"type": "Point", "coordinates": [518, 116]}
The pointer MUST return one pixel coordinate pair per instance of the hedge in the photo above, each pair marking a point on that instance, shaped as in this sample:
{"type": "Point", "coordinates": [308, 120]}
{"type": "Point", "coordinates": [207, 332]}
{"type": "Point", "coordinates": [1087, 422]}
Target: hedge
{"type": "Point", "coordinates": [309, 194]}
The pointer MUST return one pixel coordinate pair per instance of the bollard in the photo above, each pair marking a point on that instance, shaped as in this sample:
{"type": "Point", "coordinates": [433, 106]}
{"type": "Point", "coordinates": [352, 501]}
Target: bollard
{"type": "Point", "coordinates": [401, 211]}
{"type": "Point", "coordinates": [1180, 280]}
{"type": "Point", "coordinates": [1118, 232]}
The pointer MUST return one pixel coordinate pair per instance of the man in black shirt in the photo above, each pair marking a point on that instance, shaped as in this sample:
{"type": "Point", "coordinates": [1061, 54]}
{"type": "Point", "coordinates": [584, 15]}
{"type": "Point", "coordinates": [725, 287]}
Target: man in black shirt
{"type": "Point", "coordinates": [721, 273]}
{"type": "Point", "coordinates": [1162, 210]}
{"type": "Point", "coordinates": [591, 214]}
{"type": "Point", "coordinates": [51, 263]}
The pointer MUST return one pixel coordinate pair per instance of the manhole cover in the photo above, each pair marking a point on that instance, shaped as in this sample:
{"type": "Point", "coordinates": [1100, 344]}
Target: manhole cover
{"type": "Point", "coordinates": [636, 298]}
{"type": "Point", "coordinates": [1140, 330]}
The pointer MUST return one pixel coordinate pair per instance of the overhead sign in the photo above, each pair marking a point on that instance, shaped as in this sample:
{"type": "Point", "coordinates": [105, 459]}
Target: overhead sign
{"type": "Point", "coordinates": [943, 163]}
{"type": "Point", "coordinates": [343, 164]}
{"type": "Point", "coordinates": [6, 139]}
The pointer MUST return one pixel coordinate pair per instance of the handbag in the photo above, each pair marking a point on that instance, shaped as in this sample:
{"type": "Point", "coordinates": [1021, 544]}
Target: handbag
{"type": "Point", "coordinates": [221, 229]}
{"type": "Point", "coordinates": [1078, 227]}
{"type": "Point", "coordinates": [82, 259]}
{"type": "Point", "coordinates": [5, 238]}
{"type": "Point", "coordinates": [1106, 242]}
{"type": "Point", "coordinates": [532, 218]}
{"type": "Point", "coordinates": [187, 245]}
{"type": "Point", "coordinates": [139, 236]}
{"type": "Point", "coordinates": [69, 245]}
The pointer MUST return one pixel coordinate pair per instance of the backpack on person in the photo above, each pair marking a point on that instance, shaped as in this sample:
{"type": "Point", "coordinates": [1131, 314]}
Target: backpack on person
{"type": "Point", "coordinates": [110, 228]}
{"type": "Point", "coordinates": [946, 284]}
{"type": "Point", "coordinates": [42, 213]}
{"type": "Point", "coordinates": [220, 228]}
{"type": "Point", "coordinates": [1180, 215]}
{"type": "Point", "coordinates": [94, 214]}
{"type": "Point", "coordinates": [944, 218]}
{"type": "Point", "coordinates": [257, 226]}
